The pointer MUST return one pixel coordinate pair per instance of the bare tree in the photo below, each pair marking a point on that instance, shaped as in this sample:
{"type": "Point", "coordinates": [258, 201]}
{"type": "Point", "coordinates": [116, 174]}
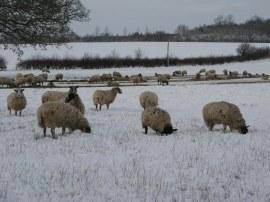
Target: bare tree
{"type": "Point", "coordinates": [181, 30]}
{"type": "Point", "coordinates": [38, 23]}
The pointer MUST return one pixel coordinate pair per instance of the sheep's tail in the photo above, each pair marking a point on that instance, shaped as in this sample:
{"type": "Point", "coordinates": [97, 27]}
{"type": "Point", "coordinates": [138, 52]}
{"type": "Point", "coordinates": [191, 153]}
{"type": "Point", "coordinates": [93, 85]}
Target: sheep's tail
{"type": "Point", "coordinates": [40, 121]}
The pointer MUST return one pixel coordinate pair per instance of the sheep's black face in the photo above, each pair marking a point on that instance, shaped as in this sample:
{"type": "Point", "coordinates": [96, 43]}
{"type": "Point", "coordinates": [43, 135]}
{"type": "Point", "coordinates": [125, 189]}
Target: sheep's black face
{"type": "Point", "coordinates": [70, 97]}
{"type": "Point", "coordinates": [87, 130]}
{"type": "Point", "coordinates": [119, 90]}
{"type": "Point", "coordinates": [244, 130]}
{"type": "Point", "coordinates": [168, 130]}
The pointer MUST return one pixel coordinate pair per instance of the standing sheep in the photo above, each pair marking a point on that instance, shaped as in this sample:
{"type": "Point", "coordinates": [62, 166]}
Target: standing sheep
{"type": "Point", "coordinates": [16, 101]}
{"type": "Point", "coordinates": [148, 99]}
{"type": "Point", "coordinates": [224, 113]}
{"type": "Point", "coordinates": [74, 100]}
{"type": "Point", "coordinates": [59, 76]}
{"type": "Point", "coordinates": [157, 119]}
{"type": "Point", "coordinates": [101, 97]}
{"type": "Point", "coordinates": [57, 114]}
{"type": "Point", "coordinates": [57, 95]}
{"type": "Point", "coordinates": [162, 79]}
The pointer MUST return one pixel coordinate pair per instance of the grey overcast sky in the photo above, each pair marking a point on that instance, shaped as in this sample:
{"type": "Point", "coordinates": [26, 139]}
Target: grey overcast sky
{"type": "Point", "coordinates": [116, 16]}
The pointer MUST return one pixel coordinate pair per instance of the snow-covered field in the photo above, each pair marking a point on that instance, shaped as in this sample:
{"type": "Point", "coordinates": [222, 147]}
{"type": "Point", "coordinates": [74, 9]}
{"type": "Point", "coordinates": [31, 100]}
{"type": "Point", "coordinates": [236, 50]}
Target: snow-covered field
{"type": "Point", "coordinates": [118, 162]}
{"type": "Point", "coordinates": [127, 49]}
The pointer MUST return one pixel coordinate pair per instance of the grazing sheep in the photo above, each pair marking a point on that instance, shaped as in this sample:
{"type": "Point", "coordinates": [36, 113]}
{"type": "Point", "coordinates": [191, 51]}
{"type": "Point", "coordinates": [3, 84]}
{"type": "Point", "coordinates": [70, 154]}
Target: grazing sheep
{"type": "Point", "coordinates": [29, 78]}
{"type": "Point", "coordinates": [113, 83]}
{"type": "Point", "coordinates": [177, 73]}
{"type": "Point", "coordinates": [202, 71]}
{"type": "Point", "coordinates": [162, 79]}
{"type": "Point", "coordinates": [20, 81]}
{"type": "Point", "coordinates": [5, 81]}
{"type": "Point", "coordinates": [225, 72]}
{"type": "Point", "coordinates": [57, 114]}
{"type": "Point", "coordinates": [184, 72]}
{"type": "Point", "coordinates": [233, 74]}
{"type": "Point", "coordinates": [106, 77]}
{"type": "Point", "coordinates": [16, 101]}
{"type": "Point", "coordinates": [57, 95]}
{"type": "Point", "coordinates": [148, 98]}
{"type": "Point", "coordinates": [45, 70]}
{"type": "Point", "coordinates": [245, 74]}
{"type": "Point", "coordinates": [157, 119]}
{"type": "Point", "coordinates": [59, 76]}
{"type": "Point", "coordinates": [197, 76]}
{"type": "Point", "coordinates": [224, 113]}
{"type": "Point", "coordinates": [211, 75]}
{"type": "Point", "coordinates": [51, 85]}
{"type": "Point", "coordinates": [265, 76]}
{"type": "Point", "coordinates": [19, 75]}
{"type": "Point", "coordinates": [117, 74]}
{"type": "Point", "coordinates": [101, 97]}
{"type": "Point", "coordinates": [94, 78]}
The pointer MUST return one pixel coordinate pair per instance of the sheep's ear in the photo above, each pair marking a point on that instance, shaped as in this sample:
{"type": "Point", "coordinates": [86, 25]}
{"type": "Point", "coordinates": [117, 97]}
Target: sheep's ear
{"type": "Point", "coordinates": [16, 90]}
{"type": "Point", "coordinates": [21, 90]}
{"type": "Point", "coordinates": [247, 126]}
{"type": "Point", "coordinates": [174, 129]}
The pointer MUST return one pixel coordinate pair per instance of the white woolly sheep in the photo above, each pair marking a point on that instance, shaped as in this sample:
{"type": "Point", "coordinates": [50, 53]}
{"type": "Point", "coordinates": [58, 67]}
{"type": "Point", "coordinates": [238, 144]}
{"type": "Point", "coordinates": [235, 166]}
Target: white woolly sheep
{"type": "Point", "coordinates": [106, 77]}
{"type": "Point", "coordinates": [57, 114]}
{"type": "Point", "coordinates": [19, 75]}
{"type": "Point", "coordinates": [5, 81]}
{"type": "Point", "coordinates": [117, 74]}
{"type": "Point", "coordinates": [177, 73]}
{"type": "Point", "coordinates": [101, 97]}
{"type": "Point", "coordinates": [245, 73]}
{"type": "Point", "coordinates": [94, 78]}
{"type": "Point", "coordinates": [211, 75]}
{"type": "Point", "coordinates": [135, 79]}
{"type": "Point", "coordinates": [148, 98]}
{"type": "Point", "coordinates": [265, 76]}
{"type": "Point", "coordinates": [162, 79]}
{"type": "Point", "coordinates": [16, 101]}
{"type": "Point", "coordinates": [203, 70]}
{"type": "Point", "coordinates": [45, 70]}
{"type": "Point", "coordinates": [233, 74]}
{"type": "Point", "coordinates": [184, 72]}
{"type": "Point", "coordinates": [113, 83]}
{"type": "Point", "coordinates": [157, 119]}
{"type": "Point", "coordinates": [59, 76]}
{"type": "Point", "coordinates": [225, 72]}
{"type": "Point", "coordinates": [224, 113]}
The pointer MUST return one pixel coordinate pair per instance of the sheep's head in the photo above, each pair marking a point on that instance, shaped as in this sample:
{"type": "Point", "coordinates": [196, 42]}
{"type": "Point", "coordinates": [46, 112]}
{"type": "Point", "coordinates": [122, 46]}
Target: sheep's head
{"type": "Point", "coordinates": [243, 130]}
{"type": "Point", "coordinates": [118, 90]}
{"type": "Point", "coordinates": [168, 129]}
{"type": "Point", "coordinates": [19, 92]}
{"type": "Point", "coordinates": [84, 125]}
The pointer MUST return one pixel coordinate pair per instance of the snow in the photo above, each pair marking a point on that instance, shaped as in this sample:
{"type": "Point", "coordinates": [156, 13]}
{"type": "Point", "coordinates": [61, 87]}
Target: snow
{"type": "Point", "coordinates": [127, 49]}
{"type": "Point", "coordinates": [118, 162]}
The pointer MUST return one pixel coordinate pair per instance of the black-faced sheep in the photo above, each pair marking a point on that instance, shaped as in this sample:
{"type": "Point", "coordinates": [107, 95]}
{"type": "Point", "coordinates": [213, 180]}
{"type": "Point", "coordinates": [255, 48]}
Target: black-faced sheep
{"type": "Point", "coordinates": [157, 119]}
{"type": "Point", "coordinates": [101, 97]}
{"type": "Point", "coordinates": [57, 114]}
{"type": "Point", "coordinates": [224, 113]}
{"type": "Point", "coordinates": [148, 98]}
{"type": "Point", "coordinates": [16, 101]}
{"type": "Point", "coordinates": [57, 95]}
{"type": "Point", "coordinates": [74, 100]}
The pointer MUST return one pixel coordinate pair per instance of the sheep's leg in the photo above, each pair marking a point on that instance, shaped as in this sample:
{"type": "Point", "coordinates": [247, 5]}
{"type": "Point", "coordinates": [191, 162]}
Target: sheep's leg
{"type": "Point", "coordinates": [15, 112]}
{"type": "Point", "coordinates": [20, 113]}
{"type": "Point", "coordinates": [63, 130]}
{"type": "Point", "coordinates": [108, 106]}
{"type": "Point", "coordinates": [99, 107]}
{"type": "Point", "coordinates": [53, 132]}
{"type": "Point", "coordinates": [145, 129]}
{"type": "Point", "coordinates": [44, 131]}
{"type": "Point", "coordinates": [96, 107]}
{"type": "Point", "coordinates": [210, 125]}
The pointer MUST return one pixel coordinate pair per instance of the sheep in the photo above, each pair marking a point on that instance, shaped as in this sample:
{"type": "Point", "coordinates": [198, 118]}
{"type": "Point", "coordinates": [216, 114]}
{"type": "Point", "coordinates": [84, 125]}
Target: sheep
{"type": "Point", "coordinates": [106, 77]}
{"type": "Point", "coordinates": [20, 81]}
{"type": "Point", "coordinates": [55, 114]}
{"type": "Point", "coordinates": [29, 78]}
{"type": "Point", "coordinates": [19, 75]}
{"type": "Point", "coordinates": [225, 72]}
{"type": "Point", "coordinates": [45, 70]}
{"type": "Point", "coordinates": [265, 76]}
{"type": "Point", "coordinates": [117, 74]}
{"type": "Point", "coordinates": [233, 74]}
{"type": "Point", "coordinates": [57, 95]}
{"type": "Point", "coordinates": [6, 81]}
{"type": "Point", "coordinates": [177, 73]}
{"type": "Point", "coordinates": [184, 72]}
{"type": "Point", "coordinates": [94, 78]}
{"type": "Point", "coordinates": [203, 70]}
{"type": "Point", "coordinates": [16, 101]}
{"type": "Point", "coordinates": [197, 76]}
{"type": "Point", "coordinates": [245, 74]}
{"type": "Point", "coordinates": [148, 98]}
{"type": "Point", "coordinates": [74, 100]}
{"type": "Point", "coordinates": [162, 79]}
{"type": "Point", "coordinates": [59, 76]}
{"type": "Point", "coordinates": [157, 119]}
{"type": "Point", "coordinates": [135, 79]}
{"type": "Point", "coordinates": [224, 113]}
{"type": "Point", "coordinates": [211, 75]}
{"type": "Point", "coordinates": [101, 97]}
{"type": "Point", "coordinates": [113, 83]}
{"type": "Point", "coordinates": [51, 85]}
